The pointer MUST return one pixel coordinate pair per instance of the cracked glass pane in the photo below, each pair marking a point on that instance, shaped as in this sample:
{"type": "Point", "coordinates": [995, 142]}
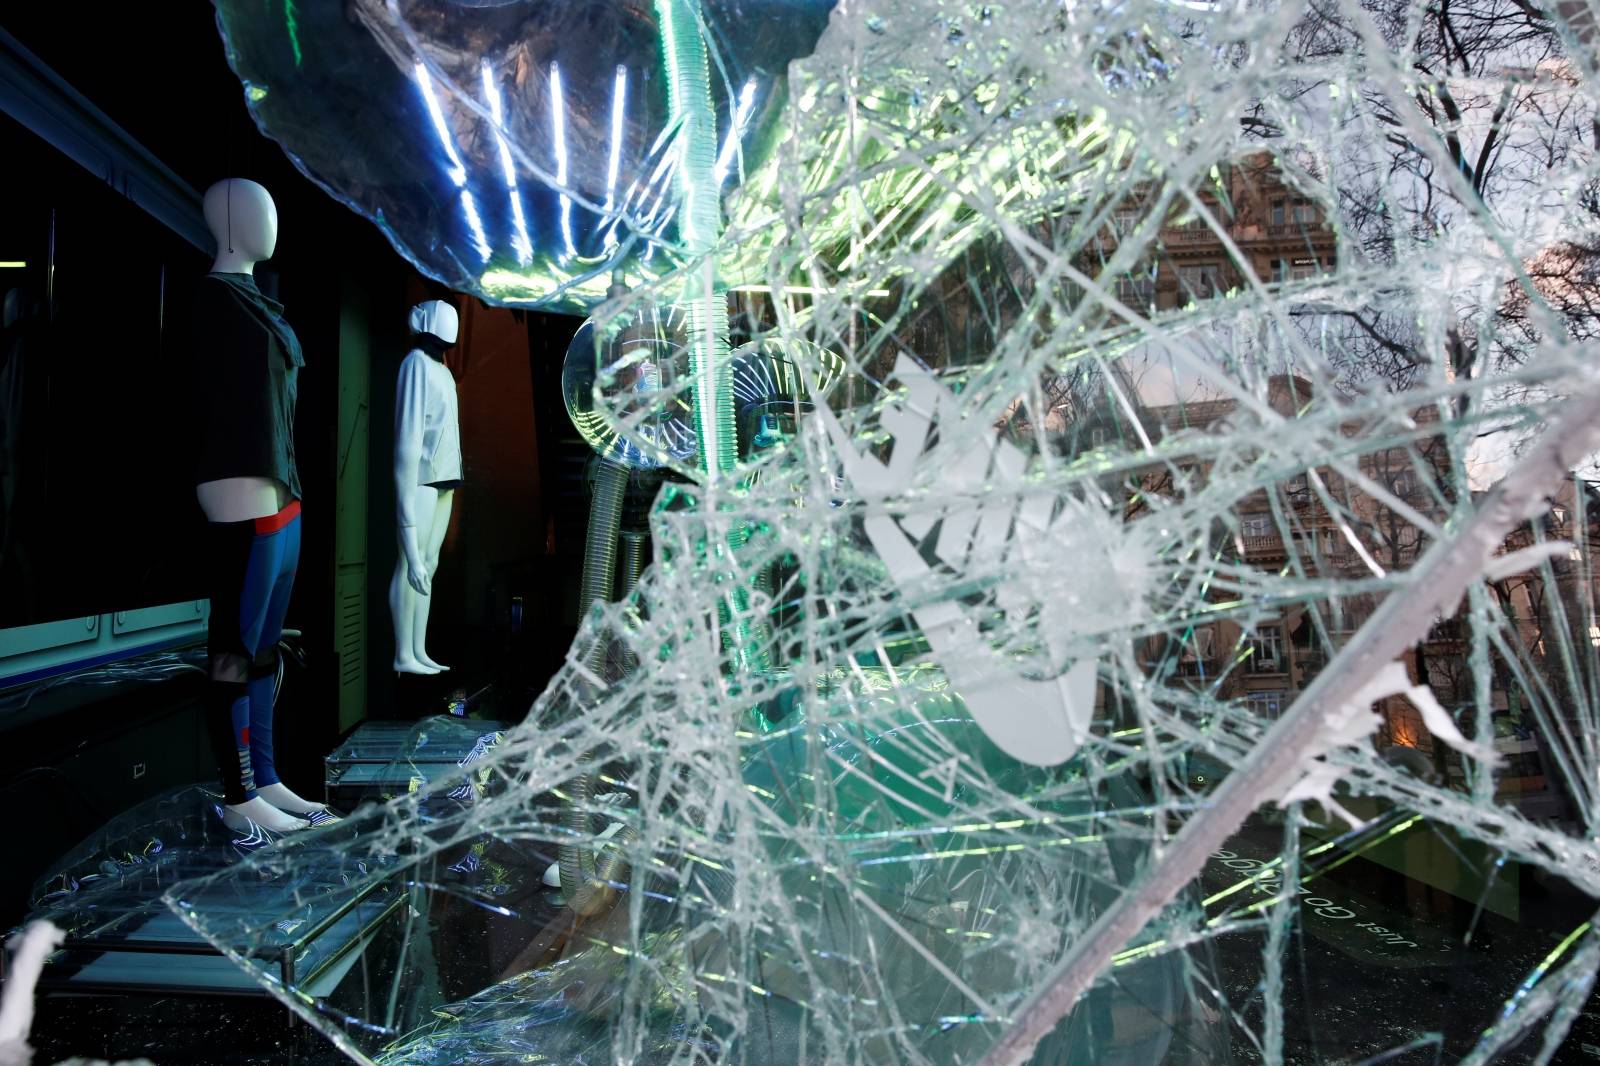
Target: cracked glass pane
{"type": "Point", "coordinates": [1114, 579]}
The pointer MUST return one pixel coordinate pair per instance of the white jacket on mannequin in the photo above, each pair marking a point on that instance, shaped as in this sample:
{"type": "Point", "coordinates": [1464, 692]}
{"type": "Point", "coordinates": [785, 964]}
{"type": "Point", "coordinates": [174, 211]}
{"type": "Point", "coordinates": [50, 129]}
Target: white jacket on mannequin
{"type": "Point", "coordinates": [427, 470]}
{"type": "Point", "coordinates": [427, 428]}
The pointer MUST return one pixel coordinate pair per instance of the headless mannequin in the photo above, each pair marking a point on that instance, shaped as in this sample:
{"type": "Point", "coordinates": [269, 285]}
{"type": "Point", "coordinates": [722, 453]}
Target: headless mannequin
{"type": "Point", "coordinates": [244, 221]}
{"type": "Point", "coordinates": [427, 466]}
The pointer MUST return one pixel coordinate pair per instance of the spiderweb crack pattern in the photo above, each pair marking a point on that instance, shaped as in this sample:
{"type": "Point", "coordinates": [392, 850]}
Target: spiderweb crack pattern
{"type": "Point", "coordinates": [1152, 364]}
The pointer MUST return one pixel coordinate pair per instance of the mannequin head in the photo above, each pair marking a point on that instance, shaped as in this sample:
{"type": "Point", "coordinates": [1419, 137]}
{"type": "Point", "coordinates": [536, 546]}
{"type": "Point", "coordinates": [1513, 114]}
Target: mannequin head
{"type": "Point", "coordinates": [437, 319]}
{"type": "Point", "coordinates": [244, 221]}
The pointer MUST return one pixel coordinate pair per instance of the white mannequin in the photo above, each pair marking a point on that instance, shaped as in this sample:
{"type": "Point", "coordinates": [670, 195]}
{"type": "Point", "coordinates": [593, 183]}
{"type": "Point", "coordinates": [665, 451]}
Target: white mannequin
{"type": "Point", "coordinates": [427, 463]}
{"type": "Point", "coordinates": [244, 221]}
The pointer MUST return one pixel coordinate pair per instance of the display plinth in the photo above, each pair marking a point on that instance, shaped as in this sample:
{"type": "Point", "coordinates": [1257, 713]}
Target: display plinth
{"type": "Point", "coordinates": [383, 759]}
{"type": "Point", "coordinates": [122, 936]}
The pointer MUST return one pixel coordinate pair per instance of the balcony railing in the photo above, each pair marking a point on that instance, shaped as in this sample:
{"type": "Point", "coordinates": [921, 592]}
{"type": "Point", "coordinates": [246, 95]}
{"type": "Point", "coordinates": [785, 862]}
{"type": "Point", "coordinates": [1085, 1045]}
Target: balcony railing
{"type": "Point", "coordinates": [1189, 235]}
{"type": "Point", "coordinates": [1266, 544]}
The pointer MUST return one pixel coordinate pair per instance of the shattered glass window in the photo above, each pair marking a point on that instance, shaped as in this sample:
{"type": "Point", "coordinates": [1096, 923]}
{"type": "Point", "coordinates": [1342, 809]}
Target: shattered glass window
{"type": "Point", "coordinates": [1038, 374]}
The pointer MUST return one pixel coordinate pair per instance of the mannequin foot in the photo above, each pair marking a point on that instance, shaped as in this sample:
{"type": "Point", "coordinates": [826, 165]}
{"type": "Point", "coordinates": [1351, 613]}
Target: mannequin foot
{"type": "Point", "coordinates": [240, 816]}
{"type": "Point", "coordinates": [280, 796]}
{"type": "Point", "coordinates": [410, 665]}
{"type": "Point", "coordinates": [423, 658]}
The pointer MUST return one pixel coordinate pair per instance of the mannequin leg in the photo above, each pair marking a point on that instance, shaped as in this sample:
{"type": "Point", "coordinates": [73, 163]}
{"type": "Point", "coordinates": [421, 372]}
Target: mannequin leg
{"type": "Point", "coordinates": [263, 684]}
{"type": "Point", "coordinates": [228, 717]}
{"type": "Point", "coordinates": [403, 598]}
{"type": "Point", "coordinates": [262, 639]}
{"type": "Point", "coordinates": [263, 696]}
{"type": "Point", "coordinates": [403, 609]}
{"type": "Point", "coordinates": [241, 572]}
{"type": "Point", "coordinates": [435, 542]}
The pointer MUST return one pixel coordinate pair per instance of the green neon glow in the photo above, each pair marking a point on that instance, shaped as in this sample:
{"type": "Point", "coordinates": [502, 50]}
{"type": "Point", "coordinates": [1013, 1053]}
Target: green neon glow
{"type": "Point", "coordinates": [518, 287]}
{"type": "Point", "coordinates": [1128, 956]}
{"type": "Point", "coordinates": [1540, 970]}
{"type": "Point", "coordinates": [1262, 872]}
{"type": "Point", "coordinates": [1368, 846]}
{"type": "Point", "coordinates": [1559, 950]}
{"type": "Point", "coordinates": [293, 26]}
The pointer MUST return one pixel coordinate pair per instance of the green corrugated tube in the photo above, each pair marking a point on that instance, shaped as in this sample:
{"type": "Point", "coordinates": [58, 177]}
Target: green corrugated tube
{"type": "Point", "coordinates": [585, 878]}
{"type": "Point", "coordinates": [582, 881]}
{"type": "Point", "coordinates": [600, 551]}
{"type": "Point", "coordinates": [700, 225]}
{"type": "Point", "coordinates": [633, 543]}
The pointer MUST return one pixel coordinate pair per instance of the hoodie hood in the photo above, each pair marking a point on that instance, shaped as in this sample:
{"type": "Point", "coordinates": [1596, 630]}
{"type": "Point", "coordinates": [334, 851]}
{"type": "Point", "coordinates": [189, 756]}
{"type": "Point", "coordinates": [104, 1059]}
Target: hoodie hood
{"type": "Point", "coordinates": [437, 319]}
{"type": "Point", "coordinates": [265, 310]}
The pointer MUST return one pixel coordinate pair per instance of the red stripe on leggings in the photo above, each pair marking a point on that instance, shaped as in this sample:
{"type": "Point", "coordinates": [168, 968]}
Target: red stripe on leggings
{"type": "Point", "coordinates": [274, 522]}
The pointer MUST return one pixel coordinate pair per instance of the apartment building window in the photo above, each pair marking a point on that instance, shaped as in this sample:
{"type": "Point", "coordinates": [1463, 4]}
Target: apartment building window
{"type": "Point", "coordinates": [1196, 653]}
{"type": "Point", "coordinates": [1266, 651]}
{"type": "Point", "coordinates": [1136, 290]}
{"type": "Point", "coordinates": [1256, 525]}
{"type": "Point", "coordinates": [1520, 764]}
{"type": "Point", "coordinates": [1268, 703]}
{"type": "Point", "coordinates": [1201, 282]}
{"type": "Point", "coordinates": [1298, 210]}
{"type": "Point", "coordinates": [1345, 618]}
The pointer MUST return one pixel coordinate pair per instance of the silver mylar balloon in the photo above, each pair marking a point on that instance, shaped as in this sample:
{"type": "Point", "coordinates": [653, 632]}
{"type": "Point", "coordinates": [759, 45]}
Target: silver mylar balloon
{"type": "Point", "coordinates": [517, 150]}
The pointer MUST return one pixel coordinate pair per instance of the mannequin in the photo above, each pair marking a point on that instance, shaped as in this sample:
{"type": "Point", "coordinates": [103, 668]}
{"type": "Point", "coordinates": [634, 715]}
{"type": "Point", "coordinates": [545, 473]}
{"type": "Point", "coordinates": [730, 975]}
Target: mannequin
{"type": "Point", "coordinates": [427, 471]}
{"type": "Point", "coordinates": [245, 370]}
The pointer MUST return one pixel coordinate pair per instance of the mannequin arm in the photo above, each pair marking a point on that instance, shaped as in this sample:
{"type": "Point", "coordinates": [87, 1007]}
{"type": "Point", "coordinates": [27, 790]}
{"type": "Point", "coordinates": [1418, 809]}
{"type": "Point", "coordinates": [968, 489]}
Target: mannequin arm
{"type": "Point", "coordinates": [411, 396]}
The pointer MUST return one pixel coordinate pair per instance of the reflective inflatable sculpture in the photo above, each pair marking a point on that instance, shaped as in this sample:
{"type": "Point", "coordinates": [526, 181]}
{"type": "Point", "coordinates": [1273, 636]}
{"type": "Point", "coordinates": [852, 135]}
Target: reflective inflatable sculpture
{"type": "Point", "coordinates": [1111, 424]}
{"type": "Point", "coordinates": [518, 151]}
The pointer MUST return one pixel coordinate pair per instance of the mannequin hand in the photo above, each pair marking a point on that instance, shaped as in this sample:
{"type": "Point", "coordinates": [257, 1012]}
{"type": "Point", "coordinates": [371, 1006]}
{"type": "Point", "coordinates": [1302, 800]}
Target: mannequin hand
{"type": "Point", "coordinates": [417, 575]}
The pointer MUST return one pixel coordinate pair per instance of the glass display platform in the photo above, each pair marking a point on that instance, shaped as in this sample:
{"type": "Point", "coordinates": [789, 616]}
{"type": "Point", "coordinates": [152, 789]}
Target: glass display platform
{"type": "Point", "coordinates": [122, 936]}
{"type": "Point", "coordinates": [384, 759]}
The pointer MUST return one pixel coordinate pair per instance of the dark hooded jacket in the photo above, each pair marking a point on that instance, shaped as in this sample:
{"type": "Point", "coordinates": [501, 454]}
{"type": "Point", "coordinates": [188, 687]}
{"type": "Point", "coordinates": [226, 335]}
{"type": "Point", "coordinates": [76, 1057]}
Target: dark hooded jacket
{"type": "Point", "coordinates": [245, 361]}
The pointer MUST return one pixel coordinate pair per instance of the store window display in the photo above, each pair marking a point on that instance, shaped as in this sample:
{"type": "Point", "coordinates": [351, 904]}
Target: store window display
{"type": "Point", "coordinates": [246, 364]}
{"type": "Point", "coordinates": [427, 471]}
